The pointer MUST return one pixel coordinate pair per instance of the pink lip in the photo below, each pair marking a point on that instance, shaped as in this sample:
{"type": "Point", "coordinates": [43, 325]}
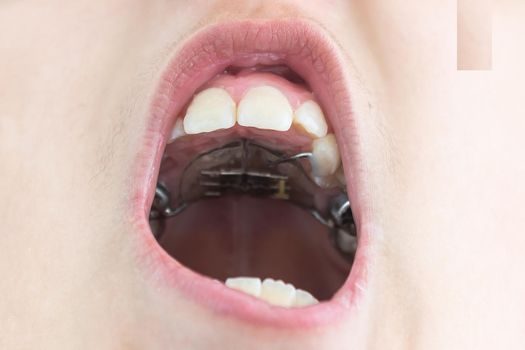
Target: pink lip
{"type": "Point", "coordinates": [308, 50]}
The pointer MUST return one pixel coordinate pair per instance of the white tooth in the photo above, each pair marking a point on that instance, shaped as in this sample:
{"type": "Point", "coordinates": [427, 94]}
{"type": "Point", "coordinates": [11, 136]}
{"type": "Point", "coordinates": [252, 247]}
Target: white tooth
{"type": "Point", "coordinates": [303, 298]}
{"type": "Point", "coordinates": [178, 131]}
{"type": "Point", "coordinates": [272, 291]}
{"type": "Point", "coordinates": [248, 285]}
{"type": "Point", "coordinates": [325, 156]}
{"type": "Point", "coordinates": [265, 107]}
{"type": "Point", "coordinates": [211, 109]}
{"type": "Point", "coordinates": [277, 292]}
{"type": "Point", "coordinates": [340, 175]}
{"type": "Point", "coordinates": [326, 181]}
{"type": "Point", "coordinates": [310, 116]}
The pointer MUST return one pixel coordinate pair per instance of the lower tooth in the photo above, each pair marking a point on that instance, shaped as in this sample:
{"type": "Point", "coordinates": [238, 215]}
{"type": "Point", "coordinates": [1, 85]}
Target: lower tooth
{"type": "Point", "coordinates": [277, 292]}
{"type": "Point", "coordinates": [248, 285]}
{"type": "Point", "coordinates": [273, 292]}
{"type": "Point", "coordinates": [303, 298]}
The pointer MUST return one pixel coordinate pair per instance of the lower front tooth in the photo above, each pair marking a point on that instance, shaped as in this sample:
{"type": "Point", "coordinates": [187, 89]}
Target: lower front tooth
{"type": "Point", "coordinates": [273, 292]}
{"type": "Point", "coordinates": [248, 285]}
{"type": "Point", "coordinates": [277, 292]}
{"type": "Point", "coordinates": [325, 156]}
{"type": "Point", "coordinates": [303, 298]}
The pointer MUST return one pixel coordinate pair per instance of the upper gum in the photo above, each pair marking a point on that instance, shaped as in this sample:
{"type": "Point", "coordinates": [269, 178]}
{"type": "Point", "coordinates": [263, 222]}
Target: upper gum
{"type": "Point", "coordinates": [237, 86]}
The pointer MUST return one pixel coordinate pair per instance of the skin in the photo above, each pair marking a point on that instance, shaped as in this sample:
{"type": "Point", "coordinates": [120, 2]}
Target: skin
{"type": "Point", "coordinates": [442, 155]}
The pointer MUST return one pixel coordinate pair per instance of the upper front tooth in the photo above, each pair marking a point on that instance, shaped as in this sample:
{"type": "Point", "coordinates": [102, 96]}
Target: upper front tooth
{"type": "Point", "coordinates": [248, 285]}
{"type": "Point", "coordinates": [277, 292]}
{"type": "Point", "coordinates": [211, 109]}
{"type": "Point", "coordinates": [325, 156]}
{"type": "Point", "coordinates": [310, 116]}
{"type": "Point", "coordinates": [265, 107]}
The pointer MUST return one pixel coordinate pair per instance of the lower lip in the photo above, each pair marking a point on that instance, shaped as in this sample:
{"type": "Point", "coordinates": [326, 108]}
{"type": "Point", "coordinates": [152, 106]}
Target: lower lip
{"type": "Point", "coordinates": [175, 89]}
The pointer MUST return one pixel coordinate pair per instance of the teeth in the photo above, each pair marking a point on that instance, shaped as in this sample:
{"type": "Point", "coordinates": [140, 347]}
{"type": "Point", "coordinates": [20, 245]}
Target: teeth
{"type": "Point", "coordinates": [277, 292]}
{"type": "Point", "coordinates": [340, 175]}
{"type": "Point", "coordinates": [325, 156]}
{"type": "Point", "coordinates": [248, 285]}
{"type": "Point", "coordinates": [326, 181]}
{"type": "Point", "coordinates": [310, 116]}
{"type": "Point", "coordinates": [273, 292]}
{"type": "Point", "coordinates": [265, 107]}
{"type": "Point", "coordinates": [211, 109]}
{"type": "Point", "coordinates": [303, 298]}
{"type": "Point", "coordinates": [178, 131]}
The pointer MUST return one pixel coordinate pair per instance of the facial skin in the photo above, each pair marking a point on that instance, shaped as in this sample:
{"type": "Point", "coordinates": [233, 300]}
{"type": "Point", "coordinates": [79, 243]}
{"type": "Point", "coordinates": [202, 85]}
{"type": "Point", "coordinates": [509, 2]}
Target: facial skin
{"type": "Point", "coordinates": [443, 159]}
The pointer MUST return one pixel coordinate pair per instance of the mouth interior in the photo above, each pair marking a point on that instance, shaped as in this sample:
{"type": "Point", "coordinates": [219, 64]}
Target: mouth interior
{"type": "Point", "coordinates": [241, 233]}
{"type": "Point", "coordinates": [247, 236]}
{"type": "Point", "coordinates": [282, 71]}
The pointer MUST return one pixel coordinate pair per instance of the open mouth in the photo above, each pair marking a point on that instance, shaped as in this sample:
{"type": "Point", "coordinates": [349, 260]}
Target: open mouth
{"type": "Point", "coordinates": [248, 186]}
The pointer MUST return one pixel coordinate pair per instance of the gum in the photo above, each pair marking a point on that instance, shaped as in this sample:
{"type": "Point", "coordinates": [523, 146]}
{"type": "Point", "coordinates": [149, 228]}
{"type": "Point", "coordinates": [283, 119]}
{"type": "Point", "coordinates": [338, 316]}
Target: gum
{"type": "Point", "coordinates": [237, 85]}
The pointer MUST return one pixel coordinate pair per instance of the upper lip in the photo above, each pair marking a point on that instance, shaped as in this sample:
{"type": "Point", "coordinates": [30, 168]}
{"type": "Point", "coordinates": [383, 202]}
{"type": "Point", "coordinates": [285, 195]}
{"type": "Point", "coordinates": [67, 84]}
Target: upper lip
{"type": "Point", "coordinates": [307, 49]}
